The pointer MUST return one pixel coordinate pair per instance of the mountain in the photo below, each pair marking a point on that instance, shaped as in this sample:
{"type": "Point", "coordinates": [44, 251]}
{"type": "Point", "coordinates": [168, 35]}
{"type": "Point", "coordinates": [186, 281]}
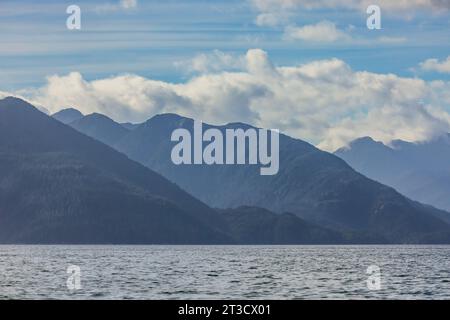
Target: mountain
{"type": "Point", "coordinates": [420, 171]}
{"type": "Point", "coordinates": [251, 225]}
{"type": "Point", "coordinates": [58, 186]}
{"type": "Point", "coordinates": [130, 126]}
{"type": "Point", "coordinates": [100, 127]}
{"type": "Point", "coordinates": [314, 185]}
{"type": "Point", "coordinates": [67, 116]}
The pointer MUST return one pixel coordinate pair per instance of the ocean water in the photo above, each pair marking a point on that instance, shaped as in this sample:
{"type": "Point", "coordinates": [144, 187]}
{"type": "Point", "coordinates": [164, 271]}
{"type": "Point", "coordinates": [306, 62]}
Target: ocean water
{"type": "Point", "coordinates": [224, 272]}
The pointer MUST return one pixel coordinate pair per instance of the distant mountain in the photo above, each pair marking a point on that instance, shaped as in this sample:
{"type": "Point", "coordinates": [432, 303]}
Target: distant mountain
{"type": "Point", "coordinates": [314, 185]}
{"type": "Point", "coordinates": [100, 127]}
{"type": "Point", "coordinates": [251, 225]}
{"type": "Point", "coordinates": [59, 186]}
{"type": "Point", "coordinates": [420, 171]}
{"type": "Point", "coordinates": [67, 116]}
{"type": "Point", "coordinates": [130, 126]}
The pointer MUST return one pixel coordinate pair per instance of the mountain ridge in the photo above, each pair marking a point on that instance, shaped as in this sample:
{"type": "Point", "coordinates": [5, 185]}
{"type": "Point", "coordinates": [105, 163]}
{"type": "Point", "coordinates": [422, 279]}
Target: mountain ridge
{"type": "Point", "coordinates": [59, 186]}
{"type": "Point", "coordinates": [32, 134]}
{"type": "Point", "coordinates": [68, 115]}
{"type": "Point", "coordinates": [315, 185]}
{"type": "Point", "coordinates": [421, 171]}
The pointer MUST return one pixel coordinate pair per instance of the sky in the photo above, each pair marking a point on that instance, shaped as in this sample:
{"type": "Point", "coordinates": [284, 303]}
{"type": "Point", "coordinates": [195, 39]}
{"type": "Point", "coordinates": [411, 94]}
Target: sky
{"type": "Point", "coordinates": [310, 68]}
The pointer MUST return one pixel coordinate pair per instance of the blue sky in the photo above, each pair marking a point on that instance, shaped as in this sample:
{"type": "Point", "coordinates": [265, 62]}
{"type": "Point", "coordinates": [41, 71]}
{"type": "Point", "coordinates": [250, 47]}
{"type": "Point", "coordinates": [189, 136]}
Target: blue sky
{"type": "Point", "coordinates": [149, 38]}
{"type": "Point", "coordinates": [168, 48]}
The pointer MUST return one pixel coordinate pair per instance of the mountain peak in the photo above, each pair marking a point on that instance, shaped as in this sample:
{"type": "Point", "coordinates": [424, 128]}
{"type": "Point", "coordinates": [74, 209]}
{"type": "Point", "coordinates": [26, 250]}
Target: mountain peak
{"type": "Point", "coordinates": [240, 125]}
{"type": "Point", "coordinates": [14, 102]}
{"type": "Point", "coordinates": [167, 117]}
{"type": "Point", "coordinates": [167, 120]}
{"type": "Point", "coordinates": [100, 127]}
{"type": "Point", "coordinates": [67, 115]}
{"type": "Point", "coordinates": [361, 143]}
{"type": "Point", "coordinates": [98, 116]}
{"type": "Point", "coordinates": [366, 138]}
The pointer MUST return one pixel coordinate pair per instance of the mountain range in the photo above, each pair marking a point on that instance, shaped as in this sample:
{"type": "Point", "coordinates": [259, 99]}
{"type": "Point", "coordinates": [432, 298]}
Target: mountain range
{"type": "Point", "coordinates": [318, 187]}
{"type": "Point", "coordinates": [420, 171]}
{"type": "Point", "coordinates": [59, 186]}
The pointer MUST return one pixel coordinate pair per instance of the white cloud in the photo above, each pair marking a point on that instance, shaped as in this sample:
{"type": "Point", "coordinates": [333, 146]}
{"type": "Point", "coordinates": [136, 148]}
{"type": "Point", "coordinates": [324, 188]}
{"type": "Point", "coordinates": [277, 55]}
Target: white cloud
{"type": "Point", "coordinates": [324, 102]}
{"type": "Point", "coordinates": [388, 123]}
{"type": "Point", "coordinates": [324, 31]}
{"type": "Point", "coordinates": [212, 62]}
{"type": "Point", "coordinates": [327, 32]}
{"type": "Point", "coordinates": [4, 94]}
{"type": "Point", "coordinates": [436, 65]}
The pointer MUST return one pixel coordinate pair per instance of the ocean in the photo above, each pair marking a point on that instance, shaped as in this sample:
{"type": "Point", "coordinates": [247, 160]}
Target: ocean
{"type": "Point", "coordinates": [224, 272]}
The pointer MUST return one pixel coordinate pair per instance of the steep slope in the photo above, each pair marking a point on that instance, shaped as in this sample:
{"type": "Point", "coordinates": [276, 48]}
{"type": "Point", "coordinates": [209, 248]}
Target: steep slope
{"type": "Point", "coordinates": [100, 127]}
{"type": "Point", "coordinates": [60, 186]}
{"type": "Point", "coordinates": [67, 116]}
{"type": "Point", "coordinates": [314, 185]}
{"type": "Point", "coordinates": [420, 171]}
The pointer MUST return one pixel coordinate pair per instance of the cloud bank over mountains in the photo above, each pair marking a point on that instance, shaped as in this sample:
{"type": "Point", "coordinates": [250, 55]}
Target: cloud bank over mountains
{"type": "Point", "coordinates": [324, 102]}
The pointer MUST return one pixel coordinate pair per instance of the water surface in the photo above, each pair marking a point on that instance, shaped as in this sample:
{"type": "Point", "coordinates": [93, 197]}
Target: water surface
{"type": "Point", "coordinates": [224, 272]}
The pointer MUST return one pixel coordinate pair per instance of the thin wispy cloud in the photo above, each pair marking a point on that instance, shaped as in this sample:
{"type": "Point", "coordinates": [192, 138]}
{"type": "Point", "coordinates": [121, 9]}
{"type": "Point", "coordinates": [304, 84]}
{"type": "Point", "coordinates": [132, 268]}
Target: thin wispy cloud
{"type": "Point", "coordinates": [211, 62]}
{"type": "Point", "coordinates": [120, 5]}
{"type": "Point", "coordinates": [323, 31]}
{"type": "Point", "coordinates": [393, 7]}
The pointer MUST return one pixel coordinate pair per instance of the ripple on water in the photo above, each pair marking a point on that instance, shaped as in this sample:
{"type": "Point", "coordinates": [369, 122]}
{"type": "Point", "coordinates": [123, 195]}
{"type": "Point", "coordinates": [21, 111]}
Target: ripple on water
{"type": "Point", "coordinates": [232, 272]}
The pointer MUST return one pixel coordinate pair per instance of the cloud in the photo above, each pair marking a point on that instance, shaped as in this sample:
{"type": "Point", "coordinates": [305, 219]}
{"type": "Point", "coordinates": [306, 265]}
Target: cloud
{"type": "Point", "coordinates": [436, 65]}
{"type": "Point", "coordinates": [392, 40]}
{"type": "Point", "coordinates": [212, 62]}
{"type": "Point", "coordinates": [324, 31]}
{"type": "Point", "coordinates": [327, 32]}
{"type": "Point", "coordinates": [269, 19]}
{"type": "Point", "coordinates": [120, 5]}
{"type": "Point", "coordinates": [4, 94]}
{"type": "Point", "coordinates": [275, 12]}
{"type": "Point", "coordinates": [324, 102]}
{"type": "Point", "coordinates": [386, 123]}
{"type": "Point", "coordinates": [389, 5]}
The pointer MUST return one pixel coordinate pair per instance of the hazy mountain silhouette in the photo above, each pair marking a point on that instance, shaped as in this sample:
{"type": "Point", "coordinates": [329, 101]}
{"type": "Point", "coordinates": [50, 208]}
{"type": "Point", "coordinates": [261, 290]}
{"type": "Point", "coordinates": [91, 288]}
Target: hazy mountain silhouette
{"type": "Point", "coordinates": [60, 186]}
{"type": "Point", "coordinates": [68, 115]}
{"type": "Point", "coordinates": [420, 171]}
{"type": "Point", "coordinates": [251, 225]}
{"type": "Point", "coordinates": [130, 126]}
{"type": "Point", "coordinates": [100, 127]}
{"type": "Point", "coordinates": [315, 185]}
